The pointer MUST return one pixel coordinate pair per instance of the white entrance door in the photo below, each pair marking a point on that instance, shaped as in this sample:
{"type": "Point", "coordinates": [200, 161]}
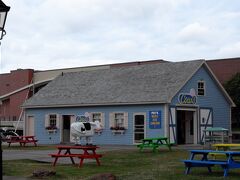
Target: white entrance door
{"type": "Point", "coordinates": [29, 128]}
{"type": "Point", "coordinates": [205, 120]}
{"type": "Point", "coordinates": [189, 126]}
{"type": "Point", "coordinates": [183, 125]}
{"type": "Point", "coordinates": [139, 127]}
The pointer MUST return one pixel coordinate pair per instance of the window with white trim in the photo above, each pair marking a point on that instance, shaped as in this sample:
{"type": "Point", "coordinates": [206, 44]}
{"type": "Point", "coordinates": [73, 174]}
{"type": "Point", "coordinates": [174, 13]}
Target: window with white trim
{"type": "Point", "coordinates": [201, 88]}
{"type": "Point", "coordinates": [118, 120]}
{"type": "Point", "coordinates": [52, 121]}
{"type": "Point", "coordinates": [98, 116]}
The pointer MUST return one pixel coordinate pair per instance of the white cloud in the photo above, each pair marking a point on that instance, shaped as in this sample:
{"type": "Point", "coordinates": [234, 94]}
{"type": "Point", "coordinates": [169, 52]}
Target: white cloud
{"type": "Point", "coordinates": [47, 34]}
{"type": "Point", "coordinates": [229, 50]}
{"type": "Point", "coordinates": [231, 15]}
{"type": "Point", "coordinates": [193, 33]}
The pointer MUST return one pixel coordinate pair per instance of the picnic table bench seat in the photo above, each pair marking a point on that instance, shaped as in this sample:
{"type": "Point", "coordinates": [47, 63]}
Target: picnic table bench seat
{"type": "Point", "coordinates": [154, 143]}
{"type": "Point", "coordinates": [228, 163]}
{"type": "Point", "coordinates": [22, 140]}
{"type": "Point", "coordinates": [85, 156]}
{"type": "Point", "coordinates": [88, 153]}
{"type": "Point", "coordinates": [224, 147]}
{"type": "Point", "coordinates": [151, 146]}
{"type": "Point", "coordinates": [208, 163]}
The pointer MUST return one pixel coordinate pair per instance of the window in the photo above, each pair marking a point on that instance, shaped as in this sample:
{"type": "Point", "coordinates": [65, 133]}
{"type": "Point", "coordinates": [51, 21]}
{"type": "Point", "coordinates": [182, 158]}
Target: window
{"type": "Point", "coordinates": [118, 121]}
{"type": "Point", "coordinates": [201, 88]}
{"type": "Point", "coordinates": [52, 120]}
{"type": "Point", "coordinates": [14, 118]}
{"type": "Point", "coordinates": [98, 116]}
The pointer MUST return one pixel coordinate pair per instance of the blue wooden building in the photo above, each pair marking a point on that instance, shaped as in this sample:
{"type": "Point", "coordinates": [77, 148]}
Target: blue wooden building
{"type": "Point", "coordinates": [173, 99]}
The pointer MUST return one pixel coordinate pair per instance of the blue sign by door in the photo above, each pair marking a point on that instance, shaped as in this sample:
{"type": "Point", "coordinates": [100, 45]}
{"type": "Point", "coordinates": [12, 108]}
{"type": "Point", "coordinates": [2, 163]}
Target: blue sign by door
{"type": "Point", "coordinates": [154, 119]}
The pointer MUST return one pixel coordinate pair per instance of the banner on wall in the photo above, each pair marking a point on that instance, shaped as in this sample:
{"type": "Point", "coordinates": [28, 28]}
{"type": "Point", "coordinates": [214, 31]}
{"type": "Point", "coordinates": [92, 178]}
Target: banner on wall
{"type": "Point", "coordinates": [155, 119]}
{"type": "Point", "coordinates": [83, 118]}
{"type": "Point", "coordinates": [188, 98]}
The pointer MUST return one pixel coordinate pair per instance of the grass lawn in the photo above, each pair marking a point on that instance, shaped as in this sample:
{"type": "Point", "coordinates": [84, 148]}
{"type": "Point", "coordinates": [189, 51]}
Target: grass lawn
{"type": "Point", "coordinates": [125, 164]}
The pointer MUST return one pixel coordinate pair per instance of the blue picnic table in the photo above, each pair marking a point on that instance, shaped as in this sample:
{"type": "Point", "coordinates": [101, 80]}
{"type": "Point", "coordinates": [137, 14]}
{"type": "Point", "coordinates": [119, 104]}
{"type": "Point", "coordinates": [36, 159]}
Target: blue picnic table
{"type": "Point", "coordinates": [227, 164]}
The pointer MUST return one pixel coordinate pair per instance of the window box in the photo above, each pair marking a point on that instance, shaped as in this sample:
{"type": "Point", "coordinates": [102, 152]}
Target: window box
{"type": "Point", "coordinates": [98, 132]}
{"type": "Point", "coordinates": [118, 130]}
{"type": "Point", "coordinates": [51, 129]}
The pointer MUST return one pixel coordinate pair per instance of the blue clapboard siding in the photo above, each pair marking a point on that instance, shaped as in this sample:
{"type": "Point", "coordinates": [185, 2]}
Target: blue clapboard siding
{"type": "Point", "coordinates": [213, 98]}
{"type": "Point", "coordinates": [106, 137]}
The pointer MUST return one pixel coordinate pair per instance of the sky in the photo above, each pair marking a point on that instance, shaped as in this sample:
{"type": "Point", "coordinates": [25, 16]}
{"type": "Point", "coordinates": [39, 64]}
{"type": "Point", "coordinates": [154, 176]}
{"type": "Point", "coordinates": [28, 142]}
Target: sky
{"type": "Point", "coordinates": [53, 34]}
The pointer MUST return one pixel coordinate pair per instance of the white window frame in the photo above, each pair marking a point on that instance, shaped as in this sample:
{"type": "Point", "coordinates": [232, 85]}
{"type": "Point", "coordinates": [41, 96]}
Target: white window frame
{"type": "Point", "coordinates": [52, 121]}
{"type": "Point", "coordinates": [101, 118]}
{"type": "Point", "coordinates": [118, 119]}
{"type": "Point", "coordinates": [145, 124]}
{"type": "Point", "coordinates": [202, 88]}
{"type": "Point", "coordinates": [113, 120]}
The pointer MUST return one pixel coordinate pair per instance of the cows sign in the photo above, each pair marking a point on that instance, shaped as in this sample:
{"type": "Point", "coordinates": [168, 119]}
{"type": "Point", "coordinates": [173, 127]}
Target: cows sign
{"type": "Point", "coordinates": [188, 98]}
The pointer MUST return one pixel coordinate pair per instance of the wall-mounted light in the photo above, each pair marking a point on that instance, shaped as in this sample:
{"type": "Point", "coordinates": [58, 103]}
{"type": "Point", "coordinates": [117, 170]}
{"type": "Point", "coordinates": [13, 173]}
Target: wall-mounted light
{"type": "Point", "coordinates": [3, 16]}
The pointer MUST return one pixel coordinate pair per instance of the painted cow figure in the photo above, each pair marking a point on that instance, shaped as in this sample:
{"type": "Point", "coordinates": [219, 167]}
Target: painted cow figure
{"type": "Point", "coordinates": [85, 130]}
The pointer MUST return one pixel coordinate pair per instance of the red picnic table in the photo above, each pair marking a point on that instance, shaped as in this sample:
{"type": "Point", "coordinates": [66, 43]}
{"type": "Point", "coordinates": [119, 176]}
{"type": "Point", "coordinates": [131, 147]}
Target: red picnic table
{"type": "Point", "coordinates": [22, 140]}
{"type": "Point", "coordinates": [86, 152]}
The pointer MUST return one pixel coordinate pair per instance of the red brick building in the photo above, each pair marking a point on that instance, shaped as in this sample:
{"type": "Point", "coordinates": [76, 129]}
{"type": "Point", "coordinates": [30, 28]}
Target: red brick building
{"type": "Point", "coordinates": [13, 92]}
{"type": "Point", "coordinates": [225, 69]}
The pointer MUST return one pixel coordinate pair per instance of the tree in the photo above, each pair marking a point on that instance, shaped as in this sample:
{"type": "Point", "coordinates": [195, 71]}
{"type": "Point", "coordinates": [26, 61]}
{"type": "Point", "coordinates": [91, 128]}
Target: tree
{"type": "Point", "coordinates": [233, 88]}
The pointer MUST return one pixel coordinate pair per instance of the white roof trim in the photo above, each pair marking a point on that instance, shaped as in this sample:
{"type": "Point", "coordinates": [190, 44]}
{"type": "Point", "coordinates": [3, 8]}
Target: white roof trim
{"type": "Point", "coordinates": [22, 88]}
{"type": "Point", "coordinates": [83, 105]}
{"type": "Point", "coordinates": [16, 91]}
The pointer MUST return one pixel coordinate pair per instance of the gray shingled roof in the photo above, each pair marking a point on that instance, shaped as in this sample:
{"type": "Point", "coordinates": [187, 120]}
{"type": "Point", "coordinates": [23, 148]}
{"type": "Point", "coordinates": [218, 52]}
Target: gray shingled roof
{"type": "Point", "coordinates": [141, 84]}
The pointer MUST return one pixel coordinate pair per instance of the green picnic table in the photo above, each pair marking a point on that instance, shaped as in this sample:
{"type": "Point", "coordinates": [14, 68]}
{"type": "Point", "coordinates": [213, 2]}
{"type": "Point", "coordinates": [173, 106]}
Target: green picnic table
{"type": "Point", "coordinates": [154, 143]}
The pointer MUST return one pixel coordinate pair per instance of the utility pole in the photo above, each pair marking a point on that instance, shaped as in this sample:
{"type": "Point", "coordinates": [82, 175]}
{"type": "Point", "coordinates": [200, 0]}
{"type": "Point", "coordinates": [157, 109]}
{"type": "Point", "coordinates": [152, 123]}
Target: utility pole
{"type": "Point", "coordinates": [3, 16]}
